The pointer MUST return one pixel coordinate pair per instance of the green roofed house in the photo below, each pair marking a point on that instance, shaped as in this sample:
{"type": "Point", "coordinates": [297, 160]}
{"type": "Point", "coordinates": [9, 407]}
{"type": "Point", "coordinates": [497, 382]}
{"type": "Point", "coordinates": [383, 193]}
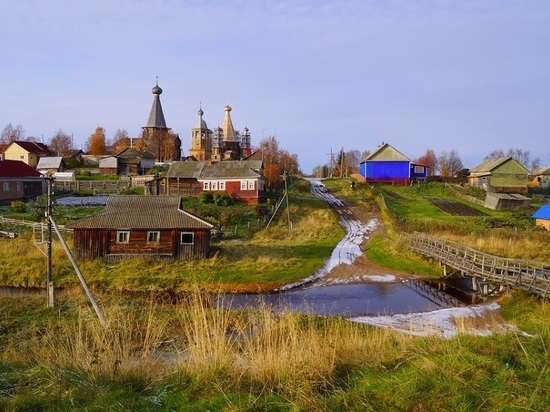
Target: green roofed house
{"type": "Point", "coordinates": [502, 175]}
{"type": "Point", "coordinates": [142, 226]}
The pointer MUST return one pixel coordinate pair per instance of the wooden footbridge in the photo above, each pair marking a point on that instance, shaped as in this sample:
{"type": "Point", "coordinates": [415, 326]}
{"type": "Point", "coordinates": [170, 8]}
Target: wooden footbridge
{"type": "Point", "coordinates": [489, 273]}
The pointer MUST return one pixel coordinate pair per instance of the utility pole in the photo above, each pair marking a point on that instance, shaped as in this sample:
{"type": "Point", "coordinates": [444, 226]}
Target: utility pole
{"type": "Point", "coordinates": [50, 290]}
{"type": "Point", "coordinates": [285, 176]}
{"type": "Point", "coordinates": [331, 160]}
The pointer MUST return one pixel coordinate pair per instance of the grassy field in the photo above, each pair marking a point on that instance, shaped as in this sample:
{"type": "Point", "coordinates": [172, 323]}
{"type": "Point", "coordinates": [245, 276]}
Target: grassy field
{"type": "Point", "coordinates": [177, 352]}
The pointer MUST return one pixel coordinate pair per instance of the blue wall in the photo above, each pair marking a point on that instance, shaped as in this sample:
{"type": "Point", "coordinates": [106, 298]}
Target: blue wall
{"type": "Point", "coordinates": [385, 170]}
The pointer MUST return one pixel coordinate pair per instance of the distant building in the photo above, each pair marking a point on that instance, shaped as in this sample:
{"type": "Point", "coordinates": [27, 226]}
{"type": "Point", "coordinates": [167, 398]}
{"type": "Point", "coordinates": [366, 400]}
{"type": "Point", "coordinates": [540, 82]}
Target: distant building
{"type": "Point", "coordinates": [502, 175]}
{"type": "Point", "coordinates": [221, 144]}
{"type": "Point", "coordinates": [142, 226]}
{"type": "Point", "coordinates": [541, 176]}
{"type": "Point", "coordinates": [27, 152]}
{"type": "Point", "coordinates": [542, 217]}
{"type": "Point", "coordinates": [243, 180]}
{"type": "Point", "coordinates": [388, 165]}
{"type": "Point", "coordinates": [19, 181]}
{"type": "Point", "coordinates": [51, 165]}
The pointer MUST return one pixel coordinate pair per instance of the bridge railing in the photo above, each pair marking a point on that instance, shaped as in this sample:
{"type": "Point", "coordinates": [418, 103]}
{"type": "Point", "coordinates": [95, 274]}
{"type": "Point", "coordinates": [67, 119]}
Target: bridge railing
{"type": "Point", "coordinates": [532, 276]}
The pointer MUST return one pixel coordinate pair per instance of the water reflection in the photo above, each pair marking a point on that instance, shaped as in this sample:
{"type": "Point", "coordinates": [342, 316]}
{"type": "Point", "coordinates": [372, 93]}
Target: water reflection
{"type": "Point", "coordinates": [352, 300]}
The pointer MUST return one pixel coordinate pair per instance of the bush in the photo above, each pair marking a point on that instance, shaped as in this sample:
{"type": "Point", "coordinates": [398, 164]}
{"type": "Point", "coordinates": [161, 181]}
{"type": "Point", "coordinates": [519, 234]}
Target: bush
{"type": "Point", "coordinates": [18, 206]}
{"type": "Point", "coordinates": [222, 199]}
{"type": "Point", "coordinates": [207, 197]}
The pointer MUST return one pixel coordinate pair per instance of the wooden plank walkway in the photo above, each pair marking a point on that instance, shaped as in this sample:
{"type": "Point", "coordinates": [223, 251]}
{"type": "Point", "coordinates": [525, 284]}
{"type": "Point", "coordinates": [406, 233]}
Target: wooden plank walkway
{"type": "Point", "coordinates": [485, 269]}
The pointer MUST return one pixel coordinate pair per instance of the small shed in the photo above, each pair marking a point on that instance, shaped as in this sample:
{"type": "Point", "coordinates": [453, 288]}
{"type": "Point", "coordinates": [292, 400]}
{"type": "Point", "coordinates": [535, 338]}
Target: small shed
{"type": "Point", "coordinates": [108, 165]}
{"type": "Point", "coordinates": [50, 164]}
{"type": "Point", "coordinates": [388, 165]}
{"type": "Point", "coordinates": [142, 226]}
{"type": "Point", "coordinates": [505, 201]}
{"type": "Point", "coordinates": [542, 217]}
{"type": "Point", "coordinates": [502, 175]}
{"type": "Point", "coordinates": [134, 162]}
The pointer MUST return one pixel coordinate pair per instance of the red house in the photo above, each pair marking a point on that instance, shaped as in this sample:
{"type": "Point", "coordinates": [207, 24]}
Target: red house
{"type": "Point", "coordinates": [241, 179]}
{"type": "Point", "coordinates": [19, 181]}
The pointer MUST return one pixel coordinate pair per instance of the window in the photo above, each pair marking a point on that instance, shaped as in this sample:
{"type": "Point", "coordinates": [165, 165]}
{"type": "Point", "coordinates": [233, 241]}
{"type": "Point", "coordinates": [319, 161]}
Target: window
{"type": "Point", "coordinates": [122, 236]}
{"type": "Point", "coordinates": [419, 169]}
{"type": "Point", "coordinates": [206, 185]}
{"type": "Point", "coordinates": [6, 186]}
{"type": "Point", "coordinates": [18, 186]}
{"type": "Point", "coordinates": [243, 184]}
{"type": "Point", "coordinates": [153, 236]}
{"type": "Point", "coordinates": [214, 185]}
{"type": "Point", "coordinates": [251, 185]}
{"type": "Point", "coordinates": [187, 238]}
{"type": "Point", "coordinates": [22, 157]}
{"type": "Point", "coordinates": [222, 185]}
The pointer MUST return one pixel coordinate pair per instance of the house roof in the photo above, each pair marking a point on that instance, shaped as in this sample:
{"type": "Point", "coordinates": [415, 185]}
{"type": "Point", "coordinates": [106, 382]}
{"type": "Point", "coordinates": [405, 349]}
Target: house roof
{"type": "Point", "coordinates": [541, 171]}
{"type": "Point", "coordinates": [53, 162]}
{"type": "Point", "coordinates": [386, 152]}
{"type": "Point", "coordinates": [142, 212]}
{"type": "Point", "coordinates": [542, 213]}
{"type": "Point", "coordinates": [32, 147]}
{"type": "Point", "coordinates": [16, 168]}
{"type": "Point", "coordinates": [490, 165]}
{"type": "Point", "coordinates": [131, 153]}
{"type": "Point", "coordinates": [237, 169]}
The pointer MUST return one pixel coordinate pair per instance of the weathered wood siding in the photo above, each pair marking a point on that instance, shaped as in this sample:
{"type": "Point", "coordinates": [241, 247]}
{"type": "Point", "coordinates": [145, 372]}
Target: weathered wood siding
{"type": "Point", "coordinates": [94, 244]}
{"type": "Point", "coordinates": [199, 249]}
{"type": "Point", "coordinates": [90, 243]}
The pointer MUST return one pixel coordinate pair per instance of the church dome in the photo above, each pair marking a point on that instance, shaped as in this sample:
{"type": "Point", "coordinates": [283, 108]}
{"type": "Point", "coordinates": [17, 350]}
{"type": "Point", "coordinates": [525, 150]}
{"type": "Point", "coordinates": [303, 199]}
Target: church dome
{"type": "Point", "coordinates": [157, 90]}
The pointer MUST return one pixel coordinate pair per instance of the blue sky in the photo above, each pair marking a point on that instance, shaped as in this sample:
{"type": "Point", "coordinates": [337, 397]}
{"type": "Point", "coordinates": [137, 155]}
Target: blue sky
{"type": "Point", "coordinates": [473, 76]}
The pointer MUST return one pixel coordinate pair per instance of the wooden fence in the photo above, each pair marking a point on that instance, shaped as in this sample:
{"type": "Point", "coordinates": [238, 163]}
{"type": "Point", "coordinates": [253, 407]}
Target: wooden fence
{"type": "Point", "coordinates": [35, 225]}
{"type": "Point", "coordinates": [487, 271]}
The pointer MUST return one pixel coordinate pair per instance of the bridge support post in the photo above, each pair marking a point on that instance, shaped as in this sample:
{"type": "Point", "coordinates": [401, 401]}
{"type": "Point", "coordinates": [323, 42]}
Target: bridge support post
{"type": "Point", "coordinates": [444, 270]}
{"type": "Point", "coordinates": [474, 284]}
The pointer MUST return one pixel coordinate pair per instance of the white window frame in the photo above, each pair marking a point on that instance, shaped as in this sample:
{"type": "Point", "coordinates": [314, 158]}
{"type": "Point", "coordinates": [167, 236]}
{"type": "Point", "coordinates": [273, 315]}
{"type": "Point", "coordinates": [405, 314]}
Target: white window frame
{"type": "Point", "coordinates": [6, 186]}
{"type": "Point", "coordinates": [251, 185]}
{"type": "Point", "coordinates": [123, 236]}
{"type": "Point", "coordinates": [243, 185]}
{"type": "Point", "coordinates": [187, 234]}
{"type": "Point", "coordinates": [214, 185]}
{"type": "Point", "coordinates": [222, 185]}
{"type": "Point", "coordinates": [153, 236]}
{"type": "Point", "coordinates": [206, 185]}
{"type": "Point", "coordinates": [18, 186]}
{"type": "Point", "coordinates": [419, 169]}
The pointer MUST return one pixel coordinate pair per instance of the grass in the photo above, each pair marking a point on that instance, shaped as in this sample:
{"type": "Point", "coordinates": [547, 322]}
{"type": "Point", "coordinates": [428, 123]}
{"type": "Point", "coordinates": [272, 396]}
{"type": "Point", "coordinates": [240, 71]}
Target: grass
{"type": "Point", "coordinates": [187, 355]}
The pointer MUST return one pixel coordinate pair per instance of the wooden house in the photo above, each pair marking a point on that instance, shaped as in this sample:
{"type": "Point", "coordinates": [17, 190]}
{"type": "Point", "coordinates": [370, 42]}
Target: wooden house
{"type": "Point", "coordinates": [541, 175]}
{"type": "Point", "coordinates": [542, 217]}
{"type": "Point", "coordinates": [19, 181]}
{"type": "Point", "coordinates": [108, 165]}
{"type": "Point", "coordinates": [502, 175]}
{"type": "Point", "coordinates": [243, 180]}
{"type": "Point", "coordinates": [26, 152]}
{"type": "Point", "coordinates": [142, 226]}
{"type": "Point", "coordinates": [131, 161]}
{"type": "Point", "coordinates": [388, 165]}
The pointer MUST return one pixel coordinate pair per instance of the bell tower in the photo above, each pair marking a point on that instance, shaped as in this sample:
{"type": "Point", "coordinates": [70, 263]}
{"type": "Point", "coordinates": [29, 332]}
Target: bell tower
{"type": "Point", "coordinates": [201, 139]}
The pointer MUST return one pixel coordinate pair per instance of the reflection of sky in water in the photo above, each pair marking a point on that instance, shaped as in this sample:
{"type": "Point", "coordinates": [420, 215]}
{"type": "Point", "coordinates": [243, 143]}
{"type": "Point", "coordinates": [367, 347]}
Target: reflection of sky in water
{"type": "Point", "coordinates": [346, 300]}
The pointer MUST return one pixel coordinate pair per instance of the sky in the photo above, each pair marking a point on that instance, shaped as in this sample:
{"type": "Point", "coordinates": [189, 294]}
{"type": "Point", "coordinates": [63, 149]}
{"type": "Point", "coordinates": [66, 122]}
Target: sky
{"type": "Point", "coordinates": [319, 75]}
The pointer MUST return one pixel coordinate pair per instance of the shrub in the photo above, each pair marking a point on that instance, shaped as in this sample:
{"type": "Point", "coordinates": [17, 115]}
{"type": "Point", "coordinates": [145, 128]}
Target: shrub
{"type": "Point", "coordinates": [222, 199]}
{"type": "Point", "coordinates": [18, 206]}
{"type": "Point", "coordinates": [207, 197]}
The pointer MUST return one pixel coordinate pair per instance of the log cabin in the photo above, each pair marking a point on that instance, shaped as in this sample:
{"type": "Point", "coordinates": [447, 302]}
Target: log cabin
{"type": "Point", "coordinates": [142, 226]}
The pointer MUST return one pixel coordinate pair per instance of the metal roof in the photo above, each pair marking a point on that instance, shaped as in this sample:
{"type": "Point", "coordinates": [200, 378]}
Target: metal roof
{"type": "Point", "coordinates": [17, 168]}
{"type": "Point", "coordinates": [490, 165]}
{"type": "Point", "coordinates": [236, 169]}
{"type": "Point", "coordinates": [541, 171]}
{"type": "Point", "coordinates": [53, 162]}
{"type": "Point", "coordinates": [33, 147]}
{"type": "Point", "coordinates": [542, 213]}
{"type": "Point", "coordinates": [386, 152]}
{"type": "Point", "coordinates": [142, 212]}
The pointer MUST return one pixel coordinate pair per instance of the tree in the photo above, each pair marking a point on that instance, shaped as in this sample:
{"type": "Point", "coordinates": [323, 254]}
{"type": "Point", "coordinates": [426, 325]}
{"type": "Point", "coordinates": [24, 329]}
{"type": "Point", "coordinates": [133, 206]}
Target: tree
{"type": "Point", "coordinates": [11, 133]}
{"type": "Point", "coordinates": [449, 163]}
{"type": "Point", "coordinates": [276, 162]}
{"type": "Point", "coordinates": [521, 156]}
{"type": "Point", "coordinates": [61, 143]}
{"type": "Point", "coordinates": [96, 142]}
{"type": "Point", "coordinates": [429, 159]}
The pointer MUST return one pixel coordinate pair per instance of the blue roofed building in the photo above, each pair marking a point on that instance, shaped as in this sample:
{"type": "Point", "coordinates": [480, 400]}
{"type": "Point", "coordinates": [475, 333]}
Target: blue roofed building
{"type": "Point", "coordinates": [542, 217]}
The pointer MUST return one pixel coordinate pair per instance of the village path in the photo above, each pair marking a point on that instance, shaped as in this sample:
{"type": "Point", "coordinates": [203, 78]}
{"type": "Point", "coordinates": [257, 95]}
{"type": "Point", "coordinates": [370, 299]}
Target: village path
{"type": "Point", "coordinates": [347, 264]}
